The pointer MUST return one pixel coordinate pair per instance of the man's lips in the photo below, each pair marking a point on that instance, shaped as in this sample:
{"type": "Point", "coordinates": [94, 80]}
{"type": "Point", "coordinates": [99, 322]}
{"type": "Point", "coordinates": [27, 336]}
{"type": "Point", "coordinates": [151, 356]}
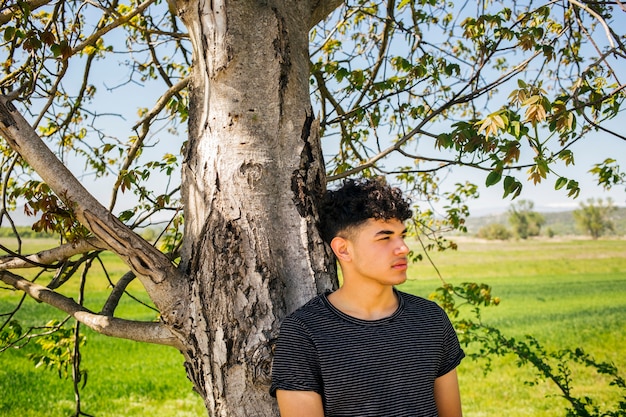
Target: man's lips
{"type": "Point", "coordinates": [401, 264]}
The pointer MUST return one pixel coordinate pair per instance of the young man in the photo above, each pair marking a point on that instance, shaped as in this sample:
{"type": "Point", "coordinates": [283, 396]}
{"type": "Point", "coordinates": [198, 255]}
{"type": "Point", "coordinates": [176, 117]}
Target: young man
{"type": "Point", "coordinates": [367, 349]}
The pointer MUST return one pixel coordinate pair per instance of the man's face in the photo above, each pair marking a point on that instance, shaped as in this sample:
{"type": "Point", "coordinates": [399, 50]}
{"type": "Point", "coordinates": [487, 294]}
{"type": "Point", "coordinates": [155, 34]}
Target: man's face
{"type": "Point", "coordinates": [376, 252]}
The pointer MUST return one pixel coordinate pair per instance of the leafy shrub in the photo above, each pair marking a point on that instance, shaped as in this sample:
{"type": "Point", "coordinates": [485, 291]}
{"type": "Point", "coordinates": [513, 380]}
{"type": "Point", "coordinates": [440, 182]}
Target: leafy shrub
{"type": "Point", "coordinates": [494, 231]}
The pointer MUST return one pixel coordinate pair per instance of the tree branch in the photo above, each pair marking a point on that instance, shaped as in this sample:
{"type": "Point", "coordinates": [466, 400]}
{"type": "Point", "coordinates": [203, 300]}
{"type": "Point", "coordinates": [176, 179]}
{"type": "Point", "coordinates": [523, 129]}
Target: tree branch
{"type": "Point", "coordinates": [160, 278]}
{"type": "Point", "coordinates": [150, 332]}
{"type": "Point", "coordinates": [320, 9]}
{"type": "Point", "coordinates": [50, 256]}
{"type": "Point", "coordinates": [458, 98]}
{"type": "Point", "coordinates": [145, 122]}
{"type": "Point", "coordinates": [172, 91]}
{"type": "Point", "coordinates": [9, 13]}
{"type": "Point", "coordinates": [116, 294]}
{"type": "Point", "coordinates": [122, 19]}
{"type": "Point", "coordinates": [599, 18]}
{"type": "Point", "coordinates": [382, 51]}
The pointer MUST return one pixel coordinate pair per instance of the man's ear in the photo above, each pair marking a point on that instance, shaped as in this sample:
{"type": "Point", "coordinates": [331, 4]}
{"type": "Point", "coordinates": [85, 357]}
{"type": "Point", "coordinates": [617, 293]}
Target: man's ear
{"type": "Point", "coordinates": [339, 245]}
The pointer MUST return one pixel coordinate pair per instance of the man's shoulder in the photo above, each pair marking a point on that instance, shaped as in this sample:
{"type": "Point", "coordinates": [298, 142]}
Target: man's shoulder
{"type": "Point", "coordinates": [415, 301]}
{"type": "Point", "coordinates": [314, 306]}
{"type": "Point", "coordinates": [311, 317]}
{"type": "Point", "coordinates": [411, 298]}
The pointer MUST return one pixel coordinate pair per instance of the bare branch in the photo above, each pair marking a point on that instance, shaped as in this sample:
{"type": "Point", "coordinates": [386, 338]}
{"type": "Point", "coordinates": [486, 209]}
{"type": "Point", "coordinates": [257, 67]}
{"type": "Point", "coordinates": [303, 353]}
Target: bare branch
{"type": "Point", "coordinates": [50, 256]}
{"type": "Point", "coordinates": [162, 102]}
{"type": "Point", "coordinates": [150, 332]}
{"type": "Point", "coordinates": [599, 18]}
{"type": "Point", "coordinates": [116, 294]}
{"type": "Point", "coordinates": [371, 162]}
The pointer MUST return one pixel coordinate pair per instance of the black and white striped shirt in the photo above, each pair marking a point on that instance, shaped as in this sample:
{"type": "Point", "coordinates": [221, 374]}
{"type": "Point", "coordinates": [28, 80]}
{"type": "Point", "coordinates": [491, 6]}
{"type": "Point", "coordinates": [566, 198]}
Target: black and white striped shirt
{"type": "Point", "coordinates": [362, 368]}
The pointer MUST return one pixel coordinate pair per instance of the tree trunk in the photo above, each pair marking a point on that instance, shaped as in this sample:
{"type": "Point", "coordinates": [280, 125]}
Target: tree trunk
{"type": "Point", "coordinates": [253, 171]}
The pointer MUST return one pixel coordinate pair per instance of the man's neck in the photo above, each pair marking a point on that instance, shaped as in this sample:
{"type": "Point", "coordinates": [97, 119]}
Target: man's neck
{"type": "Point", "coordinates": [365, 303]}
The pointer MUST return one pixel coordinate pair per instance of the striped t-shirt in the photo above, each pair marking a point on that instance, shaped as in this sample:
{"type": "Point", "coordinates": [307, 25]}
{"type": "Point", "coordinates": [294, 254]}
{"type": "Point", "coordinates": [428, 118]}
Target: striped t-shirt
{"type": "Point", "coordinates": [366, 368]}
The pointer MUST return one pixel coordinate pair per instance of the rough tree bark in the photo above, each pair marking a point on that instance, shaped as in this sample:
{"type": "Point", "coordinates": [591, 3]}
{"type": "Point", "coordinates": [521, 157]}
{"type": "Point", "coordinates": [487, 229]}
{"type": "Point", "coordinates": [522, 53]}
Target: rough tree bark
{"type": "Point", "coordinates": [253, 170]}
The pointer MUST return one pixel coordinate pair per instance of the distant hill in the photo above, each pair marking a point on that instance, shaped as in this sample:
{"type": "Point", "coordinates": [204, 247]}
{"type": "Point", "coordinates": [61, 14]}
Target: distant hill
{"type": "Point", "coordinates": [561, 223]}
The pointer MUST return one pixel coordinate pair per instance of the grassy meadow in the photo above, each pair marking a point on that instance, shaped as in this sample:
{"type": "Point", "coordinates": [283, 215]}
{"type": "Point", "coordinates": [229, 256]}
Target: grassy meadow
{"type": "Point", "coordinates": [124, 378]}
{"type": "Point", "coordinates": [566, 293]}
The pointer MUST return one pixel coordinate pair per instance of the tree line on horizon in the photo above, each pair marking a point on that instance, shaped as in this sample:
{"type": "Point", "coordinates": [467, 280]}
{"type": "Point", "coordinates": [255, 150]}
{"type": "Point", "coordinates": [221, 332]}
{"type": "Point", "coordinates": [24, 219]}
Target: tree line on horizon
{"type": "Point", "coordinates": [594, 218]}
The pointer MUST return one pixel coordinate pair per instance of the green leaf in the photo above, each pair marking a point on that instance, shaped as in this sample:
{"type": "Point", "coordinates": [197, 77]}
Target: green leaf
{"type": "Point", "coordinates": [560, 183]}
{"type": "Point", "coordinates": [574, 189]}
{"type": "Point", "coordinates": [444, 140]}
{"type": "Point", "coordinates": [493, 178]}
{"type": "Point", "coordinates": [512, 186]}
{"type": "Point", "coordinates": [56, 50]}
{"type": "Point", "coordinates": [126, 215]}
{"type": "Point", "coordinates": [9, 33]}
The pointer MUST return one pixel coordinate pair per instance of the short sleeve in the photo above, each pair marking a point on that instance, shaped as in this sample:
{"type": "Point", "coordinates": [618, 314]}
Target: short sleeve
{"type": "Point", "coordinates": [295, 366]}
{"type": "Point", "coordinates": [452, 352]}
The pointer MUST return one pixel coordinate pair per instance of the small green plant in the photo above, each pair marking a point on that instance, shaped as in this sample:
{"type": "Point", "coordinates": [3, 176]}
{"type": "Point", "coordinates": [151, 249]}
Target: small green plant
{"type": "Point", "coordinates": [554, 366]}
{"type": "Point", "coordinates": [9, 333]}
{"type": "Point", "coordinates": [59, 349]}
{"type": "Point", "coordinates": [56, 349]}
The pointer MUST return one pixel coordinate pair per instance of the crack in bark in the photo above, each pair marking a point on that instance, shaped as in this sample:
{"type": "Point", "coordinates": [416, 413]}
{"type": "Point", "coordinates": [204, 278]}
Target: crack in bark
{"type": "Point", "coordinates": [283, 54]}
{"type": "Point", "coordinates": [307, 183]}
{"type": "Point", "coordinates": [6, 108]}
{"type": "Point", "coordinates": [121, 241]}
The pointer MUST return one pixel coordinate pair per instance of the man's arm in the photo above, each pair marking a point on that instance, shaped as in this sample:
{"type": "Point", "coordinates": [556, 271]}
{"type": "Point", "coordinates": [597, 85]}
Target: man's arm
{"type": "Point", "coordinates": [299, 403]}
{"type": "Point", "coordinates": [447, 395]}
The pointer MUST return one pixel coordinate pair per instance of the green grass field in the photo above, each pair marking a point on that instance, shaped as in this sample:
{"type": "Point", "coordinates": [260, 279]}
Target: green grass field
{"type": "Point", "coordinates": [565, 293]}
{"type": "Point", "coordinates": [125, 378]}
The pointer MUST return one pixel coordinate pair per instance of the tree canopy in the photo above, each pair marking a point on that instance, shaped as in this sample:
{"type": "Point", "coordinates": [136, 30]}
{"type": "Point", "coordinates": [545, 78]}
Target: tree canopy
{"type": "Point", "coordinates": [504, 87]}
{"type": "Point", "coordinates": [404, 88]}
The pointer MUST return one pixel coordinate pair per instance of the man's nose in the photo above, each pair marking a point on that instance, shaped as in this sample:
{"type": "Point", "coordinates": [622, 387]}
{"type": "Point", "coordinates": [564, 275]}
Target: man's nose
{"type": "Point", "coordinates": [402, 248]}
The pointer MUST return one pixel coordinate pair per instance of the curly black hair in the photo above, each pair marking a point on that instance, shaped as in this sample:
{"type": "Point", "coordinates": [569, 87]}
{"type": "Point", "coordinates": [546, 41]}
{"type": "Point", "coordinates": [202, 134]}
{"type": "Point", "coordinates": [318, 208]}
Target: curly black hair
{"type": "Point", "coordinates": [356, 201]}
